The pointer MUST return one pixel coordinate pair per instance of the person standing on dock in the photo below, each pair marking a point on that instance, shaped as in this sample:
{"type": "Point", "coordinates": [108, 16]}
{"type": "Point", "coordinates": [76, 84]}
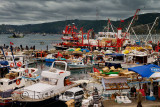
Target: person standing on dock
{"type": "Point", "coordinates": [95, 97]}
{"type": "Point", "coordinates": [139, 99]}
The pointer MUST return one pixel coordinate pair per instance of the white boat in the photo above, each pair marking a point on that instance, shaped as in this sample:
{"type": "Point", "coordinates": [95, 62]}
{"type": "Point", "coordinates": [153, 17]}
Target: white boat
{"type": "Point", "coordinates": [77, 64]}
{"type": "Point", "coordinates": [52, 83]}
{"type": "Point", "coordinates": [17, 58]}
{"type": "Point", "coordinates": [14, 80]}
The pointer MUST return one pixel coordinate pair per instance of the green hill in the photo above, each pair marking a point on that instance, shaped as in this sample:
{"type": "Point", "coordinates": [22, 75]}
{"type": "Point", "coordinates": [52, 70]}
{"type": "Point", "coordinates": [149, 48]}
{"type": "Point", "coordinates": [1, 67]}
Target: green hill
{"type": "Point", "coordinates": [139, 25]}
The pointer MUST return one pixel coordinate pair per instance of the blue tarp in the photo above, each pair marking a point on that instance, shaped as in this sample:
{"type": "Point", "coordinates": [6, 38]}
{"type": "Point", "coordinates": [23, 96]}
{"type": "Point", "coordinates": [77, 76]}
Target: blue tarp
{"type": "Point", "coordinates": [145, 70]}
{"type": "Point", "coordinates": [85, 50]}
{"type": "Point", "coordinates": [115, 54]}
{"type": "Point", "coordinates": [3, 62]}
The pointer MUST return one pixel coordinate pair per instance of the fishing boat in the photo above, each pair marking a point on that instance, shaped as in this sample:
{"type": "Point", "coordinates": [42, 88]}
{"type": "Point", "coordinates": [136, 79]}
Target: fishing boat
{"type": "Point", "coordinates": [13, 60]}
{"type": "Point", "coordinates": [53, 82]}
{"type": "Point", "coordinates": [104, 40]}
{"type": "Point", "coordinates": [17, 35]}
{"type": "Point", "coordinates": [40, 55]}
{"type": "Point", "coordinates": [15, 79]}
{"type": "Point", "coordinates": [50, 58]}
{"type": "Point", "coordinates": [77, 64]}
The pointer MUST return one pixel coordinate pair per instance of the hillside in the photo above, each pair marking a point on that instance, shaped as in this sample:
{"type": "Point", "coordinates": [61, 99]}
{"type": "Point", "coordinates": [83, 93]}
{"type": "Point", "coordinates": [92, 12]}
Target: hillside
{"type": "Point", "coordinates": [98, 25]}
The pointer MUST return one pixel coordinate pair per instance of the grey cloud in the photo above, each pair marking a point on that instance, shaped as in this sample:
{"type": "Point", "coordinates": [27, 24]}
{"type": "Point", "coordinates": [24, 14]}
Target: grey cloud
{"type": "Point", "coordinates": [39, 11]}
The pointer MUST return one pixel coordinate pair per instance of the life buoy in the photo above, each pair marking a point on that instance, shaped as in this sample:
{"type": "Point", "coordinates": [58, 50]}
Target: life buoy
{"type": "Point", "coordinates": [19, 64]}
{"type": "Point", "coordinates": [12, 65]}
{"type": "Point", "coordinates": [60, 73]}
{"type": "Point", "coordinates": [30, 75]}
{"type": "Point", "coordinates": [18, 81]}
{"type": "Point", "coordinates": [26, 71]}
{"type": "Point", "coordinates": [139, 79]}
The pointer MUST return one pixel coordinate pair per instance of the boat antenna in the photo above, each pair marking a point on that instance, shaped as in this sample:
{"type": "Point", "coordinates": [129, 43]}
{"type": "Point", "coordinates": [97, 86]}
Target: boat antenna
{"type": "Point", "coordinates": [12, 54]}
{"type": "Point", "coordinates": [134, 33]}
{"type": "Point", "coordinates": [132, 20]}
{"type": "Point", "coordinates": [3, 52]}
{"type": "Point", "coordinates": [109, 23]}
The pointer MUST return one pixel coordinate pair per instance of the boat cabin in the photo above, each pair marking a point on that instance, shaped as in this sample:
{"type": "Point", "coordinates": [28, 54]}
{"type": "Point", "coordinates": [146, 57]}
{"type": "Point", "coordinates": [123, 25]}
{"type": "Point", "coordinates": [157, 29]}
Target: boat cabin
{"type": "Point", "coordinates": [17, 58]}
{"type": "Point", "coordinates": [4, 69]}
{"type": "Point", "coordinates": [51, 82]}
{"type": "Point", "coordinates": [12, 80]}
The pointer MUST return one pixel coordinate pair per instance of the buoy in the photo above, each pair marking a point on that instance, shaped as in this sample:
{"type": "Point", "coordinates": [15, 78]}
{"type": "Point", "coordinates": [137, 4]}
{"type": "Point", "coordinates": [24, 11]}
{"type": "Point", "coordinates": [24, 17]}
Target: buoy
{"type": "Point", "coordinates": [30, 75]}
{"type": "Point", "coordinates": [60, 73]}
{"type": "Point", "coordinates": [139, 78]}
{"type": "Point", "coordinates": [18, 81]}
{"type": "Point", "coordinates": [26, 71]}
{"type": "Point", "coordinates": [12, 65]}
{"type": "Point", "coordinates": [19, 64]}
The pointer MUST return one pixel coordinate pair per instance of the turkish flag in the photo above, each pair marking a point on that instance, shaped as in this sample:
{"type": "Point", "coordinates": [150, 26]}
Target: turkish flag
{"type": "Point", "coordinates": [96, 70]}
{"type": "Point", "coordinates": [122, 20]}
{"type": "Point", "coordinates": [11, 43]}
{"type": "Point", "coordinates": [59, 54]}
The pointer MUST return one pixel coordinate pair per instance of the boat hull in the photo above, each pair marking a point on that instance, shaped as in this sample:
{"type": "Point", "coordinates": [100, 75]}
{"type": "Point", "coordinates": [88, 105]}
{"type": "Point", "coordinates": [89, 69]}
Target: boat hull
{"type": "Point", "coordinates": [61, 48]}
{"type": "Point", "coordinates": [48, 102]}
{"type": "Point", "coordinates": [79, 66]}
{"type": "Point", "coordinates": [50, 60]}
{"type": "Point", "coordinates": [6, 103]}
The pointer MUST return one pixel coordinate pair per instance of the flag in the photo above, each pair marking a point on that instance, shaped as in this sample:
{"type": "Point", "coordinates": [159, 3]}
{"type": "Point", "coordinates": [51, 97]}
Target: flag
{"type": "Point", "coordinates": [109, 21]}
{"type": "Point", "coordinates": [59, 54]}
{"type": "Point", "coordinates": [96, 70]}
{"type": "Point", "coordinates": [121, 20]}
{"type": "Point", "coordinates": [81, 28]}
{"type": "Point", "coordinates": [74, 27]}
{"type": "Point", "coordinates": [11, 43]}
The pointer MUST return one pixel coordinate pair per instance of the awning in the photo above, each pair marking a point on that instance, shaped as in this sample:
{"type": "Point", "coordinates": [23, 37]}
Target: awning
{"type": "Point", "coordinates": [148, 71]}
{"type": "Point", "coordinates": [115, 54]}
{"type": "Point", "coordinates": [3, 62]}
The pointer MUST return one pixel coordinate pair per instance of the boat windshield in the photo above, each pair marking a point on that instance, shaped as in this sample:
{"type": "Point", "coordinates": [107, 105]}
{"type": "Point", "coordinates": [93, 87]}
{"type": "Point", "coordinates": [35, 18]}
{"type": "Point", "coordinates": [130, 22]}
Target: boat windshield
{"type": "Point", "coordinates": [59, 65]}
{"type": "Point", "coordinates": [68, 93]}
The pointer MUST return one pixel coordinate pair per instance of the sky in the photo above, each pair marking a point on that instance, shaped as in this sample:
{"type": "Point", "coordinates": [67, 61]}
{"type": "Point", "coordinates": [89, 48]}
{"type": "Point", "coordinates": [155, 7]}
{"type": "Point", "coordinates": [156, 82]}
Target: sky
{"type": "Point", "coordinates": [20, 12]}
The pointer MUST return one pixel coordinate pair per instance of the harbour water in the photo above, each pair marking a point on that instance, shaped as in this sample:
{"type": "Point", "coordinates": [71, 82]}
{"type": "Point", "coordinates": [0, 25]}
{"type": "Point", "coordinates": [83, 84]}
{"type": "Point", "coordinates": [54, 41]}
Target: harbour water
{"type": "Point", "coordinates": [31, 40]}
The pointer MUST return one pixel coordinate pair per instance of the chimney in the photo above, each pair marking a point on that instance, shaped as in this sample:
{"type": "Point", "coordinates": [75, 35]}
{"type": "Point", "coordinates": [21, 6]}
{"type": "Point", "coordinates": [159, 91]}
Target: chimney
{"type": "Point", "coordinates": [119, 32]}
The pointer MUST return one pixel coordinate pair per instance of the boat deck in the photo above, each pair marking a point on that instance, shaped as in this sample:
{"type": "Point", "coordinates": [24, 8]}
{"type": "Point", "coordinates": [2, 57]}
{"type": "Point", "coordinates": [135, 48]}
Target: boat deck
{"type": "Point", "coordinates": [18, 97]}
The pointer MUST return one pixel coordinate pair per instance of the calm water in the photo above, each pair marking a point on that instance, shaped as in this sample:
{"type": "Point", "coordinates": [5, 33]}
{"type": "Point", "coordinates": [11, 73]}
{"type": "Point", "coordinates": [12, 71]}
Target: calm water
{"type": "Point", "coordinates": [36, 39]}
{"type": "Point", "coordinates": [31, 39]}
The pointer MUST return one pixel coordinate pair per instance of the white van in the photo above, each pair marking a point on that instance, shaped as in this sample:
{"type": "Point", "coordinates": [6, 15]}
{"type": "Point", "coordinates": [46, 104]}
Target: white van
{"type": "Point", "coordinates": [75, 93]}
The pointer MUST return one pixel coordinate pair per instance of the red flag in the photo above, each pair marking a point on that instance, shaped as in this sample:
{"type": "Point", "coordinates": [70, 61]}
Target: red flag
{"type": "Point", "coordinates": [122, 20]}
{"type": "Point", "coordinates": [74, 27]}
{"type": "Point", "coordinates": [81, 28]}
{"type": "Point", "coordinates": [59, 54]}
{"type": "Point", "coordinates": [109, 21]}
{"type": "Point", "coordinates": [96, 70]}
{"type": "Point", "coordinates": [11, 43]}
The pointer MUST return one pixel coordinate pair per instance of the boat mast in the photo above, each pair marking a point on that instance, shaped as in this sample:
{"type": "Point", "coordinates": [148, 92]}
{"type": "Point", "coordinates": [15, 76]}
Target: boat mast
{"type": "Point", "coordinates": [149, 34]}
{"type": "Point", "coordinates": [132, 20]}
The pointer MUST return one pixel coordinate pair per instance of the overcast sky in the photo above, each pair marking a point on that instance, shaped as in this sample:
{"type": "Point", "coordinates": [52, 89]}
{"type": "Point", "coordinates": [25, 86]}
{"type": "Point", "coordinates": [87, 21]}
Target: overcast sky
{"type": "Point", "coordinates": [40, 11]}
